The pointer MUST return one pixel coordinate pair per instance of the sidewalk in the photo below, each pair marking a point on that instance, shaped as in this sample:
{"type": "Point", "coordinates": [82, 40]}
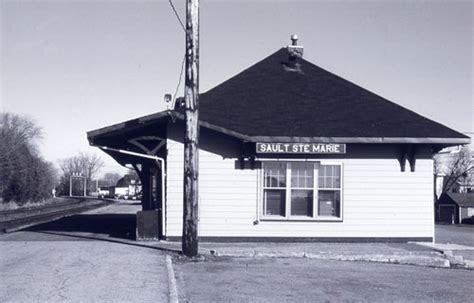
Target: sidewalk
{"type": "Point", "coordinates": [115, 224]}
{"type": "Point", "coordinates": [458, 255]}
{"type": "Point", "coordinates": [114, 219]}
{"type": "Point", "coordinates": [421, 254]}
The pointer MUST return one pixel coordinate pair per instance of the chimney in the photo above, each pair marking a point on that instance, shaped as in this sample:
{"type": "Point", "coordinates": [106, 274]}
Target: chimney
{"type": "Point", "coordinates": [295, 50]}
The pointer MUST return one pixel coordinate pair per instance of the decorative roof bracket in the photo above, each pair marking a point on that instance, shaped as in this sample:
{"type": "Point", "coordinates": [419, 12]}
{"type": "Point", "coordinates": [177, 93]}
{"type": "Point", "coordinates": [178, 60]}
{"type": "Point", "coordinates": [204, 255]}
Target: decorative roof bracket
{"type": "Point", "coordinates": [408, 153]}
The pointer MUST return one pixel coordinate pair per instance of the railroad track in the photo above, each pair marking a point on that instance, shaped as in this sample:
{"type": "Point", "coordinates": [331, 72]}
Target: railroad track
{"type": "Point", "coordinates": [12, 220]}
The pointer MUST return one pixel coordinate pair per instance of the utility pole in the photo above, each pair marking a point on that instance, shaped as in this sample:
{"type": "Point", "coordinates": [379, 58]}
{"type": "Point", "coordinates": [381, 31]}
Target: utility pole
{"type": "Point", "coordinates": [70, 186]}
{"type": "Point", "coordinates": [191, 137]}
{"type": "Point", "coordinates": [85, 187]}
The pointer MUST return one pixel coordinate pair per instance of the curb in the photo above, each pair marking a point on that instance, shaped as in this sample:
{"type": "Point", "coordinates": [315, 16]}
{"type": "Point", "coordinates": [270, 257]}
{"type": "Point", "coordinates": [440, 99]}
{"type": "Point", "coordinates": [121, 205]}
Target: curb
{"type": "Point", "coordinates": [427, 261]}
{"type": "Point", "coordinates": [456, 261]}
{"type": "Point", "coordinates": [172, 288]}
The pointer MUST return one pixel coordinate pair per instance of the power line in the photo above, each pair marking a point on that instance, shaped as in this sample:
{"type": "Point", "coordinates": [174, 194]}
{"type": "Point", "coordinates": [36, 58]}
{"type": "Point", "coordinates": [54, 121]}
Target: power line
{"type": "Point", "coordinates": [184, 58]}
{"type": "Point", "coordinates": [180, 78]}
{"type": "Point", "coordinates": [177, 15]}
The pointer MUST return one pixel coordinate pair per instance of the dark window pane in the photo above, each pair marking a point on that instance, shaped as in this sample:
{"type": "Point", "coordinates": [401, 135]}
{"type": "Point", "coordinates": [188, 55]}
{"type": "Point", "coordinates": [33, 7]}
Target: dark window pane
{"type": "Point", "coordinates": [329, 203]}
{"type": "Point", "coordinates": [302, 203]}
{"type": "Point", "coordinates": [274, 202]}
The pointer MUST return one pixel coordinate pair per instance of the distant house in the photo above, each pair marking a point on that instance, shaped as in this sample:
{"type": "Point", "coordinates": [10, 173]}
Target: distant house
{"type": "Point", "coordinates": [455, 207]}
{"type": "Point", "coordinates": [128, 187]}
{"type": "Point", "coordinates": [444, 160]}
{"type": "Point", "coordinates": [465, 185]}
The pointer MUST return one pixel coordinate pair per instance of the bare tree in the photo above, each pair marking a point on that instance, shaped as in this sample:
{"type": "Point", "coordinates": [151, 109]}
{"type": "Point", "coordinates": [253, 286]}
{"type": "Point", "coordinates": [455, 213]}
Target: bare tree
{"type": "Point", "coordinates": [111, 178]}
{"type": "Point", "coordinates": [15, 132]}
{"type": "Point", "coordinates": [93, 164]}
{"type": "Point", "coordinates": [88, 165]}
{"type": "Point", "coordinates": [454, 167]}
{"type": "Point", "coordinates": [24, 175]}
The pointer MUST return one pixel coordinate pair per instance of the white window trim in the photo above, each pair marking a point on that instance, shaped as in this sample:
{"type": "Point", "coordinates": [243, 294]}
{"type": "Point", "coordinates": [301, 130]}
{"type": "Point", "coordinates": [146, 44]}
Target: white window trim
{"type": "Point", "coordinates": [288, 218]}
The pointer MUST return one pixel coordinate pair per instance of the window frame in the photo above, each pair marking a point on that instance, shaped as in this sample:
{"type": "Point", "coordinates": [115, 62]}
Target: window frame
{"type": "Point", "coordinates": [288, 217]}
{"type": "Point", "coordinates": [279, 188]}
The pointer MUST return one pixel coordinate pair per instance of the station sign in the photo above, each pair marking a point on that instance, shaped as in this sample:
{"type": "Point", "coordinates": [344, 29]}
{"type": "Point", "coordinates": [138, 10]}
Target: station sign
{"type": "Point", "coordinates": [301, 148]}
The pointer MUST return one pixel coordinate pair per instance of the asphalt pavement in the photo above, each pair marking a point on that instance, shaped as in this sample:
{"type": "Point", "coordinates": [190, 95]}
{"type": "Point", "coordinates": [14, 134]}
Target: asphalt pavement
{"type": "Point", "coordinates": [309, 280]}
{"type": "Point", "coordinates": [461, 234]}
{"type": "Point", "coordinates": [93, 257]}
{"type": "Point", "coordinates": [47, 264]}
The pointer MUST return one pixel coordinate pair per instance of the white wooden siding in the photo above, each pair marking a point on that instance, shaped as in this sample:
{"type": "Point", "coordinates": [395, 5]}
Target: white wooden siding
{"type": "Point", "coordinates": [378, 200]}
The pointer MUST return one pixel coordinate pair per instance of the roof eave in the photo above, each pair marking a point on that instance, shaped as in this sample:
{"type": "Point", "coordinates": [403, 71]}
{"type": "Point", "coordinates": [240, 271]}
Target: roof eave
{"type": "Point", "coordinates": [373, 140]}
{"type": "Point", "coordinates": [281, 139]}
{"type": "Point", "coordinates": [122, 125]}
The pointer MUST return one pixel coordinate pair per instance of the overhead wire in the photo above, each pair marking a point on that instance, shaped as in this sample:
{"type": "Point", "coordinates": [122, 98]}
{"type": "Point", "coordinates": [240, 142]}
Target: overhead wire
{"type": "Point", "coordinates": [180, 78]}
{"type": "Point", "coordinates": [184, 58]}
{"type": "Point", "coordinates": [177, 15]}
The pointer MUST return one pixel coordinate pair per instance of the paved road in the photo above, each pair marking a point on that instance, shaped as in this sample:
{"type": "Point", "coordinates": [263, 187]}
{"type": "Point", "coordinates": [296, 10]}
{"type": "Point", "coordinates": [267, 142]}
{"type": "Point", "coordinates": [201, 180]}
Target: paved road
{"type": "Point", "coordinates": [306, 280]}
{"type": "Point", "coordinates": [38, 266]}
{"type": "Point", "coordinates": [92, 257]}
{"type": "Point", "coordinates": [455, 234]}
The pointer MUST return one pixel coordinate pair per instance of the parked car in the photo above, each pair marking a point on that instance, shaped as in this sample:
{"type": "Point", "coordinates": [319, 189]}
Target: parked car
{"type": "Point", "coordinates": [469, 220]}
{"type": "Point", "coordinates": [137, 196]}
{"type": "Point", "coordinates": [105, 193]}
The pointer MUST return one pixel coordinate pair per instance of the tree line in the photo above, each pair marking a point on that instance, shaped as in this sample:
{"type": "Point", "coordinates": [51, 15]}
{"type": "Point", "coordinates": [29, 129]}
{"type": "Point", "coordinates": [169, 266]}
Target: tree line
{"type": "Point", "coordinates": [24, 174]}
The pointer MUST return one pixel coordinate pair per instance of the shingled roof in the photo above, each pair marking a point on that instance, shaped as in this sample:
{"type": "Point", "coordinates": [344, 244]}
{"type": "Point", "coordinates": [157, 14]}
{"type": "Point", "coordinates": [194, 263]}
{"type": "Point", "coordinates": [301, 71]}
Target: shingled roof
{"type": "Point", "coordinates": [462, 199]}
{"type": "Point", "coordinates": [270, 100]}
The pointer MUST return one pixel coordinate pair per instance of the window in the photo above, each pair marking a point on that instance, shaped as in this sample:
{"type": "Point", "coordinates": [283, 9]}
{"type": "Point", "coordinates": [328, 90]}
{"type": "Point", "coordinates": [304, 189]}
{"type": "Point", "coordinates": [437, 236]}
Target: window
{"type": "Point", "coordinates": [329, 190]}
{"type": "Point", "coordinates": [301, 190]}
{"type": "Point", "coordinates": [470, 211]}
{"type": "Point", "coordinates": [274, 192]}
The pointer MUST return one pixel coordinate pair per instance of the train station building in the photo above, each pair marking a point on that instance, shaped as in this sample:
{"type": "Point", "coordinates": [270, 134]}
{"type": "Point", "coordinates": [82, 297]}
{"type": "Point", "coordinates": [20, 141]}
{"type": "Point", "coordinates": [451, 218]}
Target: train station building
{"type": "Point", "coordinates": [289, 151]}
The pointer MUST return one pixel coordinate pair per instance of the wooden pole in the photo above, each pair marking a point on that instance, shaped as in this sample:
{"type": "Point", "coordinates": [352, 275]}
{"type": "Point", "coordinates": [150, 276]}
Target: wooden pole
{"type": "Point", "coordinates": [191, 157]}
{"type": "Point", "coordinates": [85, 187]}
{"type": "Point", "coordinates": [70, 186]}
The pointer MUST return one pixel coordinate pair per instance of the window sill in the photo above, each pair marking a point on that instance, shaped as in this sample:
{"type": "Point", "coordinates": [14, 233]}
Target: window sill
{"type": "Point", "coordinates": [301, 219]}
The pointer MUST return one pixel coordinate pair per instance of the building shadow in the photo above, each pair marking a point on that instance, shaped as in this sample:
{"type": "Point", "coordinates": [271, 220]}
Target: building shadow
{"type": "Point", "coordinates": [121, 226]}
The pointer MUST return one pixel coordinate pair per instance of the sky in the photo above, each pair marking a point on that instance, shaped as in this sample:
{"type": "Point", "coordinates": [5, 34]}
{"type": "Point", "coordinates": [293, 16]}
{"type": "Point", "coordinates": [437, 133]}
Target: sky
{"type": "Point", "coordinates": [75, 66]}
